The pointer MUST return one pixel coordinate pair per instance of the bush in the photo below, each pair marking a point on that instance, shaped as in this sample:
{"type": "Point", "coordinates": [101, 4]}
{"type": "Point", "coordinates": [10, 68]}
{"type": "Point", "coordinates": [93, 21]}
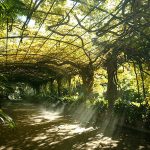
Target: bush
{"type": "Point", "coordinates": [134, 114]}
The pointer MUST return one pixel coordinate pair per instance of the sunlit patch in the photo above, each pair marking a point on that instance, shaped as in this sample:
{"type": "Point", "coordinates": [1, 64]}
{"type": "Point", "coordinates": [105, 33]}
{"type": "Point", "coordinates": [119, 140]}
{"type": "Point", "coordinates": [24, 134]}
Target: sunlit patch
{"type": "Point", "coordinates": [9, 148]}
{"type": "Point", "coordinates": [66, 131]}
{"type": "Point", "coordinates": [97, 142]}
{"type": "Point", "coordinates": [2, 147]}
{"type": "Point", "coordinates": [50, 115]}
{"type": "Point", "coordinates": [81, 129]}
{"type": "Point", "coordinates": [39, 137]}
{"type": "Point", "coordinates": [73, 128]}
{"type": "Point", "coordinates": [69, 3]}
{"type": "Point", "coordinates": [31, 22]}
{"type": "Point", "coordinates": [42, 144]}
{"type": "Point", "coordinates": [45, 116]}
{"type": "Point", "coordinates": [143, 147]}
{"type": "Point", "coordinates": [52, 130]}
{"type": "Point", "coordinates": [111, 5]}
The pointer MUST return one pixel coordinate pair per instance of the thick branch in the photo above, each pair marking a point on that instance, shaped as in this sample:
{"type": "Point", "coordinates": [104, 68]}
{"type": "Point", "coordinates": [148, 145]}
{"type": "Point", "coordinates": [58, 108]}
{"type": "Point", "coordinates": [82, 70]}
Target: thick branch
{"type": "Point", "coordinates": [55, 62]}
{"type": "Point", "coordinates": [67, 34]}
{"type": "Point", "coordinates": [40, 37]}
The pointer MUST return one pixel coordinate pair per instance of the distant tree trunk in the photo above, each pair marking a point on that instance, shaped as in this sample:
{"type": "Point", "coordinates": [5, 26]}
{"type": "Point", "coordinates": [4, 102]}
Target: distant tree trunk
{"type": "Point", "coordinates": [0, 103]}
{"type": "Point", "coordinates": [142, 78]}
{"type": "Point", "coordinates": [36, 87]}
{"type": "Point", "coordinates": [136, 75]}
{"type": "Point", "coordinates": [87, 75]}
{"type": "Point", "coordinates": [111, 94]}
{"type": "Point", "coordinates": [69, 85]}
{"type": "Point", "coordinates": [59, 86]}
{"type": "Point", "coordinates": [52, 86]}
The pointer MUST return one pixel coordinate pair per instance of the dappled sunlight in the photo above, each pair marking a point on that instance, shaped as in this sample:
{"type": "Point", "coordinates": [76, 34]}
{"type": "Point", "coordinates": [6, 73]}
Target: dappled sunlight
{"type": "Point", "coordinates": [46, 116]}
{"type": "Point", "coordinates": [109, 123]}
{"type": "Point", "coordinates": [73, 128]}
{"type": "Point", "coordinates": [4, 148]}
{"type": "Point", "coordinates": [68, 130]}
{"type": "Point", "coordinates": [80, 130]}
{"type": "Point", "coordinates": [37, 114]}
{"type": "Point", "coordinates": [43, 129]}
{"type": "Point", "coordinates": [40, 137]}
{"type": "Point", "coordinates": [97, 142]}
{"type": "Point", "coordinates": [84, 115]}
{"type": "Point", "coordinates": [74, 74]}
{"type": "Point", "coordinates": [60, 109]}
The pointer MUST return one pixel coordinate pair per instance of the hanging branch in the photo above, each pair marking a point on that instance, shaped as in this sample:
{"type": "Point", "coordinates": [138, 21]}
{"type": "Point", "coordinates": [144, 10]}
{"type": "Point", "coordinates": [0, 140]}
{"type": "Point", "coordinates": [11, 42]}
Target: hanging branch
{"type": "Point", "coordinates": [56, 28]}
{"type": "Point", "coordinates": [11, 25]}
{"type": "Point", "coordinates": [67, 34]}
{"type": "Point", "coordinates": [92, 9]}
{"type": "Point", "coordinates": [7, 28]}
{"type": "Point", "coordinates": [137, 82]}
{"type": "Point", "coordinates": [61, 22]}
{"type": "Point", "coordinates": [55, 62]}
{"type": "Point", "coordinates": [34, 8]}
{"type": "Point", "coordinates": [43, 38]}
{"type": "Point", "coordinates": [146, 72]}
{"type": "Point", "coordinates": [42, 22]}
{"type": "Point", "coordinates": [142, 78]}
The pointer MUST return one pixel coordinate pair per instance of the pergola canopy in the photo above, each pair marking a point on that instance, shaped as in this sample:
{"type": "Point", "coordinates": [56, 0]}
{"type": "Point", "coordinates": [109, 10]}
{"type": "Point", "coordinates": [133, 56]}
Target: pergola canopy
{"type": "Point", "coordinates": [47, 34]}
{"type": "Point", "coordinates": [66, 36]}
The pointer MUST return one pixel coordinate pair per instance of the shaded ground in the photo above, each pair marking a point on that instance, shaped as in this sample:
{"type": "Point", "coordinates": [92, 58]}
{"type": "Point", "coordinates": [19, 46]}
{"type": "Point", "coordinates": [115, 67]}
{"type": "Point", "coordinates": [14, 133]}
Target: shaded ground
{"type": "Point", "coordinates": [41, 129]}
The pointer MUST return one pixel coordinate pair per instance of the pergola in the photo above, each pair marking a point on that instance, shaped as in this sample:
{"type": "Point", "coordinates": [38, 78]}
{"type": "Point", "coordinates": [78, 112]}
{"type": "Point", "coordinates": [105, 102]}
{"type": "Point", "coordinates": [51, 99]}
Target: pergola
{"type": "Point", "coordinates": [53, 38]}
{"type": "Point", "coordinates": [47, 39]}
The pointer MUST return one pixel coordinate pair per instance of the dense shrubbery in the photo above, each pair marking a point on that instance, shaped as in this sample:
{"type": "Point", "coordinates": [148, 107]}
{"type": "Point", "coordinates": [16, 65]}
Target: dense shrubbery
{"type": "Point", "coordinates": [133, 113]}
{"type": "Point", "coordinates": [131, 108]}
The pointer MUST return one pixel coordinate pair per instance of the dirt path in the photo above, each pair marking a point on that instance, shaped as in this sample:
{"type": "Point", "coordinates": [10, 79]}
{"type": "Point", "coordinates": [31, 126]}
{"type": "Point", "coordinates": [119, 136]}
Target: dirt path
{"type": "Point", "coordinates": [41, 129]}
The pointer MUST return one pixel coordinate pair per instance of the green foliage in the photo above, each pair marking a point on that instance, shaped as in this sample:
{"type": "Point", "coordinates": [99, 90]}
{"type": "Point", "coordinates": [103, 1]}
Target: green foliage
{"type": "Point", "coordinates": [6, 119]}
{"type": "Point", "coordinates": [68, 98]}
{"type": "Point", "coordinates": [10, 9]}
{"type": "Point", "coordinates": [131, 96]}
{"type": "Point", "coordinates": [133, 114]}
{"type": "Point", "coordinates": [5, 88]}
{"type": "Point", "coordinates": [120, 31]}
{"type": "Point", "coordinates": [101, 104]}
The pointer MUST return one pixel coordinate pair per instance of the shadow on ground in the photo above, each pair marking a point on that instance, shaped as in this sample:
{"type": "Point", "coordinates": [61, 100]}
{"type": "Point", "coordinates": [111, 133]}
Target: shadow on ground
{"type": "Point", "coordinates": [38, 129]}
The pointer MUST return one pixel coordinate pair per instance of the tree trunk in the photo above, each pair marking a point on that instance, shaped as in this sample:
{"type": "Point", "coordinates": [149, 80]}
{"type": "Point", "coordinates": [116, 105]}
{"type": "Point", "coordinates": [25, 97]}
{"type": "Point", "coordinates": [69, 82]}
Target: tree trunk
{"type": "Point", "coordinates": [36, 87]}
{"type": "Point", "coordinates": [111, 94]}
{"type": "Point", "coordinates": [52, 86]}
{"type": "Point", "coordinates": [87, 75]}
{"type": "Point", "coordinates": [59, 86]}
{"type": "Point", "coordinates": [142, 78]}
{"type": "Point", "coordinates": [137, 82]}
{"type": "Point", "coordinates": [69, 85]}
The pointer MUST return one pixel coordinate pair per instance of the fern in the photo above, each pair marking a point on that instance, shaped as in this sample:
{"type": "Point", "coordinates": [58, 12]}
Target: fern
{"type": "Point", "coordinates": [4, 118]}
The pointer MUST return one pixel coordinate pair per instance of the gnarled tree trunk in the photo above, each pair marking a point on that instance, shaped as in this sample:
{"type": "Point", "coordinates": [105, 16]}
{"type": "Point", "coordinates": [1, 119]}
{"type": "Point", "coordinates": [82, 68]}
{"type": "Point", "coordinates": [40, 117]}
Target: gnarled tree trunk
{"type": "Point", "coordinates": [52, 85]}
{"type": "Point", "coordinates": [59, 86]}
{"type": "Point", "coordinates": [69, 85]}
{"type": "Point", "coordinates": [36, 87]}
{"type": "Point", "coordinates": [112, 93]}
{"type": "Point", "coordinates": [87, 75]}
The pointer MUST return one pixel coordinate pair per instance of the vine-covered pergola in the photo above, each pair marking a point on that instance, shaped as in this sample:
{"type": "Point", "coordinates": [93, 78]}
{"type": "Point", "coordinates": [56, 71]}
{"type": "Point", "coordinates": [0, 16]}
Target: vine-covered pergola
{"type": "Point", "coordinates": [50, 39]}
